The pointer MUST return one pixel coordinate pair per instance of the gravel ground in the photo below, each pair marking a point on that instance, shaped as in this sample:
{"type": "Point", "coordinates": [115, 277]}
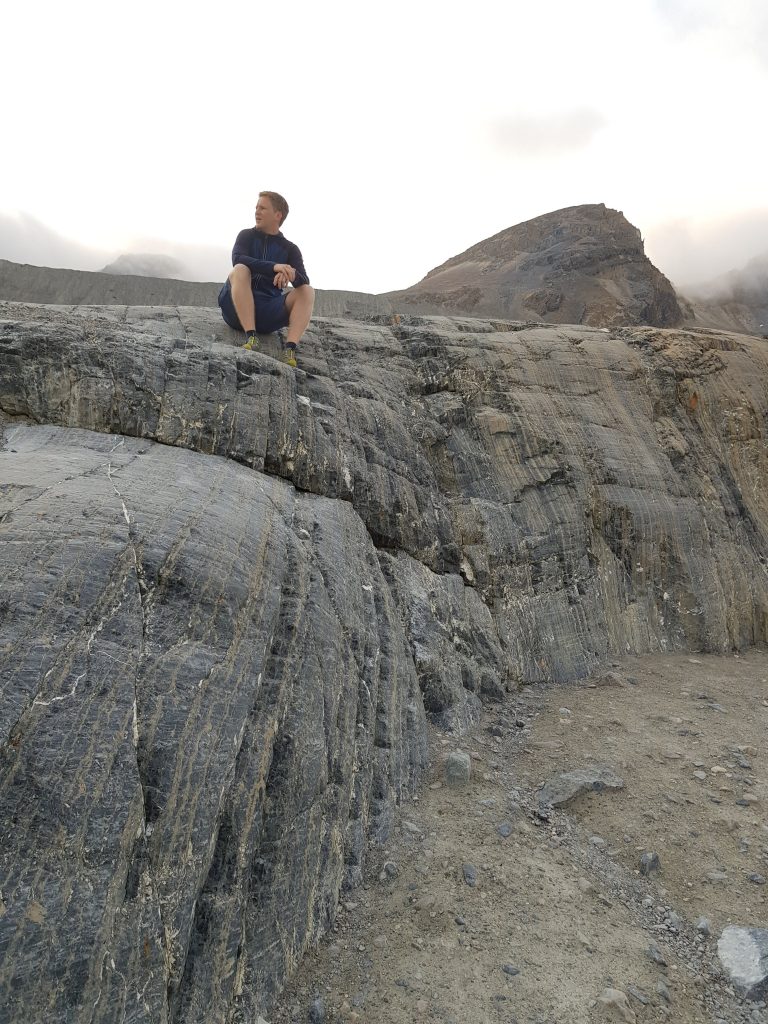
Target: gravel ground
{"type": "Point", "coordinates": [487, 907]}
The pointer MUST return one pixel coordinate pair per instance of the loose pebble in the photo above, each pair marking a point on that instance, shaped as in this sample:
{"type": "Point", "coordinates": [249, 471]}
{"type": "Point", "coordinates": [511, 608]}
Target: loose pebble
{"type": "Point", "coordinates": [457, 768]}
{"type": "Point", "coordinates": [650, 864]}
{"type": "Point", "coordinates": [617, 1000]}
{"type": "Point", "coordinates": [655, 954]}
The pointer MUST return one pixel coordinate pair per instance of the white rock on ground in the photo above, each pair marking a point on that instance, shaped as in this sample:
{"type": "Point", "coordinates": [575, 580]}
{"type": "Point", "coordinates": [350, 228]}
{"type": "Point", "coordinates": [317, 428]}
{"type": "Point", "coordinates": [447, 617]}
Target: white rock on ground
{"type": "Point", "coordinates": [744, 954]}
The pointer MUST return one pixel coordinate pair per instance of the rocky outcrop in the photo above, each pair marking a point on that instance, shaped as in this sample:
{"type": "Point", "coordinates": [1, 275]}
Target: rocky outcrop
{"type": "Point", "coordinates": [234, 594]}
{"type": "Point", "coordinates": [583, 265]}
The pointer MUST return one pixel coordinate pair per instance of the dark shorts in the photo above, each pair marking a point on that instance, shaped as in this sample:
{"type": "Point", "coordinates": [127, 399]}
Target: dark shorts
{"type": "Point", "coordinates": [271, 313]}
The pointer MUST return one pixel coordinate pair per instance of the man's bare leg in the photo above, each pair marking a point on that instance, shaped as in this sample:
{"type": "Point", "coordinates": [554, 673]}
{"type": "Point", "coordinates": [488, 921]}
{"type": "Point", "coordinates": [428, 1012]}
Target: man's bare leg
{"type": "Point", "coordinates": [299, 302]}
{"type": "Point", "coordinates": [242, 297]}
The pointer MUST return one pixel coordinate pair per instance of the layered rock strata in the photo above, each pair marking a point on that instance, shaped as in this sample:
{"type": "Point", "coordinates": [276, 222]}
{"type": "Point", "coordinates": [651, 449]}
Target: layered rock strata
{"type": "Point", "coordinates": [234, 593]}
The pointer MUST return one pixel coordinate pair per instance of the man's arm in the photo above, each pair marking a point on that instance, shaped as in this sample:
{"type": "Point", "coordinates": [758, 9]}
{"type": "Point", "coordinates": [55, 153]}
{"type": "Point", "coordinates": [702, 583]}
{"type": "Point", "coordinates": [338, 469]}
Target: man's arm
{"type": "Point", "coordinates": [240, 255]}
{"type": "Point", "coordinates": [297, 262]}
{"type": "Point", "coordinates": [291, 273]}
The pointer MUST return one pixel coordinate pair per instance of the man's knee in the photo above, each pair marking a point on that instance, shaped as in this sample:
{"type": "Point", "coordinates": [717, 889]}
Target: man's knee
{"type": "Point", "coordinates": [240, 273]}
{"type": "Point", "coordinates": [307, 294]}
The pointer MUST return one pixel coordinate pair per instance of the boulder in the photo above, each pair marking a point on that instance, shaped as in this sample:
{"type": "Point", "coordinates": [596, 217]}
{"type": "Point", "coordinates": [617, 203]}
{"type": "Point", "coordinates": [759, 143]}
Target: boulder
{"type": "Point", "coordinates": [743, 953]}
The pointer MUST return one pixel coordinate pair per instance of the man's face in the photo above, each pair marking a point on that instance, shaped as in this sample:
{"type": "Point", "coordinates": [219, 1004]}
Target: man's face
{"type": "Point", "coordinates": [267, 217]}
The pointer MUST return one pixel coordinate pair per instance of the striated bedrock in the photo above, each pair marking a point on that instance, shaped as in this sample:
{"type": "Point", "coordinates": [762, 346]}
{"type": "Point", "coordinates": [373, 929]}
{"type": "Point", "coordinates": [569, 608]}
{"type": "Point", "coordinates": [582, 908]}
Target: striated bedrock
{"type": "Point", "coordinates": [208, 707]}
{"type": "Point", "coordinates": [233, 595]}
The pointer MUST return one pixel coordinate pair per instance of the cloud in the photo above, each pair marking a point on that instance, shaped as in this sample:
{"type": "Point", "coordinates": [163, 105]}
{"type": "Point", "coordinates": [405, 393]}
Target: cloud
{"type": "Point", "coordinates": [24, 239]}
{"type": "Point", "coordinates": [692, 253]}
{"type": "Point", "coordinates": [147, 265]}
{"type": "Point", "coordinates": [193, 262]}
{"type": "Point", "coordinates": [546, 134]}
{"type": "Point", "coordinates": [740, 26]}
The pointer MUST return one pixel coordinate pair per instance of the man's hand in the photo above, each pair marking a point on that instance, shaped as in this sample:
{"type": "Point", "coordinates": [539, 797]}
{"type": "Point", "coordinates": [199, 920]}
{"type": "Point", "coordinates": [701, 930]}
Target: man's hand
{"type": "Point", "coordinates": [284, 275]}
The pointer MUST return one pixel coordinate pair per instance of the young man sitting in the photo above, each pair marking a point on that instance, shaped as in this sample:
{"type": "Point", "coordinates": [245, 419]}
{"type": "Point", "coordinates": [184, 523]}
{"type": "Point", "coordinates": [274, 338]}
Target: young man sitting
{"type": "Point", "coordinates": [264, 263]}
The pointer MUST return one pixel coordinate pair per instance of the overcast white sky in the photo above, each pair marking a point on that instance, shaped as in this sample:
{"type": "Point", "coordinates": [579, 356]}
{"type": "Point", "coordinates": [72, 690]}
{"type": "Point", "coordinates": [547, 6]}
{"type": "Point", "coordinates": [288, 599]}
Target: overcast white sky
{"type": "Point", "coordinates": [400, 134]}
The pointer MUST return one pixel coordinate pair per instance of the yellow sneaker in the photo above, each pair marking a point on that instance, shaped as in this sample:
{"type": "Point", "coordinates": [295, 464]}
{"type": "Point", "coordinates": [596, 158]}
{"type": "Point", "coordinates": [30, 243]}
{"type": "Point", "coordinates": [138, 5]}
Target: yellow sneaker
{"type": "Point", "coordinates": [251, 342]}
{"type": "Point", "coordinates": [288, 355]}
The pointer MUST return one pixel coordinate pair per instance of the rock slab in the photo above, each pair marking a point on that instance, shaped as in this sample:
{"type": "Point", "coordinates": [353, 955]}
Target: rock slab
{"type": "Point", "coordinates": [743, 953]}
{"type": "Point", "coordinates": [567, 786]}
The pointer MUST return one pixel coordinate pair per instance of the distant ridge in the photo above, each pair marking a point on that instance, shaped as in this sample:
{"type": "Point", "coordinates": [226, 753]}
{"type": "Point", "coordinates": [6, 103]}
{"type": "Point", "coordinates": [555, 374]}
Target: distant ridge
{"type": "Point", "coordinates": [20, 282]}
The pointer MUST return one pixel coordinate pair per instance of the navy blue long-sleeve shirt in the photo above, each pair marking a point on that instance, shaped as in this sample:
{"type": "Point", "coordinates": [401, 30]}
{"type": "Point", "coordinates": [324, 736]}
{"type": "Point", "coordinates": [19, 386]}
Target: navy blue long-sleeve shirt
{"type": "Point", "coordinates": [260, 252]}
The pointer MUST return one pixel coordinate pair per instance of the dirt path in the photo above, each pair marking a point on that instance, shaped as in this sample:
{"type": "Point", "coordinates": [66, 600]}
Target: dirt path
{"type": "Point", "coordinates": [559, 911]}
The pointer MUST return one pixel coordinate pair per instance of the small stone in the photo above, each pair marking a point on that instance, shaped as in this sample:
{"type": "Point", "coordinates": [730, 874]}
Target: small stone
{"type": "Point", "coordinates": [608, 679]}
{"type": "Point", "coordinates": [703, 926]}
{"type": "Point", "coordinates": [459, 920]}
{"type": "Point", "coordinates": [567, 786]}
{"type": "Point", "coordinates": [597, 841]}
{"type": "Point", "coordinates": [504, 829]}
{"type": "Point", "coordinates": [470, 874]}
{"type": "Point", "coordinates": [751, 798]}
{"type": "Point", "coordinates": [650, 864]}
{"type": "Point", "coordinates": [585, 886]}
{"type": "Point", "coordinates": [617, 1000]}
{"type": "Point", "coordinates": [510, 969]}
{"type": "Point", "coordinates": [458, 768]}
{"type": "Point", "coordinates": [663, 991]}
{"type": "Point", "coordinates": [756, 879]}
{"type": "Point", "coordinates": [317, 1011]}
{"type": "Point", "coordinates": [391, 869]}
{"type": "Point", "coordinates": [717, 877]}
{"type": "Point", "coordinates": [380, 941]}
{"type": "Point", "coordinates": [718, 770]}
{"type": "Point", "coordinates": [655, 954]}
{"type": "Point", "coordinates": [700, 775]}
{"type": "Point", "coordinates": [422, 1005]}
{"type": "Point", "coordinates": [639, 995]}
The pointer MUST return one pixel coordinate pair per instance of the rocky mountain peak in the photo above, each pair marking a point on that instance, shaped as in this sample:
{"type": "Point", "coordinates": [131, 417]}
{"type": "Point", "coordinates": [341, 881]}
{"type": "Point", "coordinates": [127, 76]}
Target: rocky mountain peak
{"type": "Point", "coordinates": [582, 264]}
{"type": "Point", "coordinates": [555, 233]}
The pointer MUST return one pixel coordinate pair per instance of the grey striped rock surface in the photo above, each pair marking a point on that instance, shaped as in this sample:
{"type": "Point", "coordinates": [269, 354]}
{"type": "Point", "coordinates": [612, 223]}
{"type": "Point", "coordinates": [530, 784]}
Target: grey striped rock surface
{"type": "Point", "coordinates": [233, 593]}
{"type": "Point", "coordinates": [208, 707]}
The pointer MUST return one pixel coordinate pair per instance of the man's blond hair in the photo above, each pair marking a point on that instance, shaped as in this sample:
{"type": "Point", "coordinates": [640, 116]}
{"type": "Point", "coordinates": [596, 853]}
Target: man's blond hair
{"type": "Point", "coordinates": [278, 202]}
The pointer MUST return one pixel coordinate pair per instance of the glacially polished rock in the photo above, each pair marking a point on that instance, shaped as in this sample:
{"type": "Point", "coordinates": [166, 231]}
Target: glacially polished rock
{"type": "Point", "coordinates": [234, 593]}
